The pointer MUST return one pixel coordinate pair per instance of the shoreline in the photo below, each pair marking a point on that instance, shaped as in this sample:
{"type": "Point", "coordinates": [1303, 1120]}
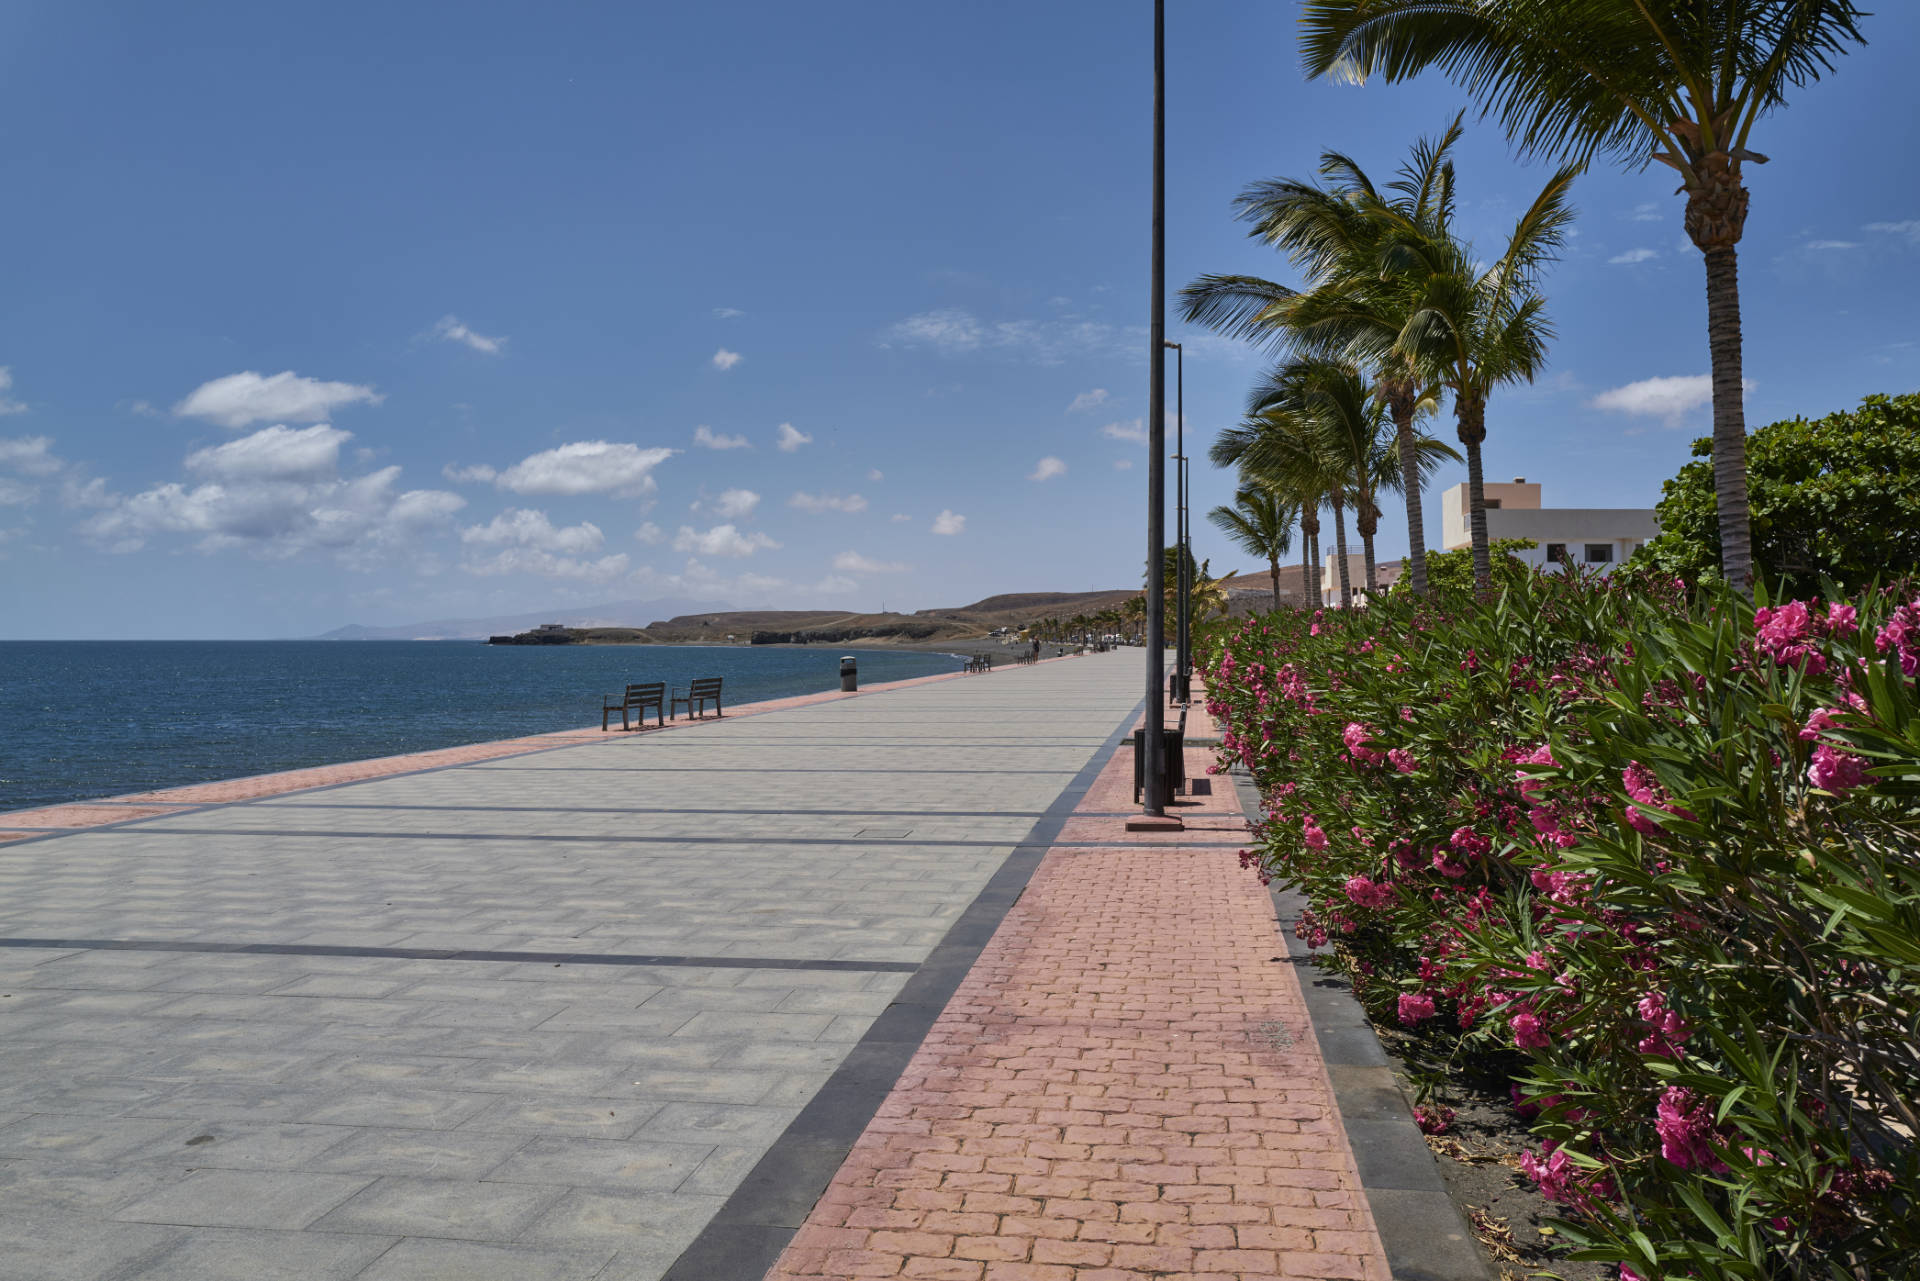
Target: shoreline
{"type": "Point", "coordinates": [42, 821]}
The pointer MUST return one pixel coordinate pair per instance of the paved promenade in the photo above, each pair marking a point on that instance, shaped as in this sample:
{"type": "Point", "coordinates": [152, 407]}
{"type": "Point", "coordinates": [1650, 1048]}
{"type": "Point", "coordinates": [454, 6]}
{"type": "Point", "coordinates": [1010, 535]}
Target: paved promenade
{"type": "Point", "coordinates": [615, 1008]}
{"type": "Point", "coordinates": [533, 1017]}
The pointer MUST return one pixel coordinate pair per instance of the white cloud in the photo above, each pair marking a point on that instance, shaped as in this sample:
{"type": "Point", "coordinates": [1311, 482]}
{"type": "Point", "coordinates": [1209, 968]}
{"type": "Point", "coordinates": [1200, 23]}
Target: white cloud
{"type": "Point", "coordinates": [1632, 256]}
{"type": "Point", "coordinates": [1908, 227]}
{"type": "Point", "coordinates": [1833, 244]}
{"type": "Point", "coordinates": [791, 438]}
{"type": "Point", "coordinates": [875, 474]}
{"type": "Point", "coordinates": [531, 560]}
{"type": "Point", "coordinates": [735, 503]}
{"type": "Point", "coordinates": [1123, 464]}
{"type": "Point", "coordinates": [721, 540]}
{"type": "Point", "coordinates": [16, 493]}
{"type": "Point", "coordinates": [900, 518]}
{"type": "Point", "coordinates": [705, 437]}
{"type": "Point", "coordinates": [143, 408]}
{"type": "Point", "coordinates": [451, 330]}
{"type": "Point", "coordinates": [306, 454]}
{"type": "Point", "coordinates": [855, 563]}
{"type": "Point", "coordinates": [832, 585]}
{"type": "Point", "coordinates": [1047, 468]}
{"type": "Point", "coordinates": [815, 504]}
{"type": "Point", "coordinates": [523, 527]}
{"type": "Point", "coordinates": [29, 455]}
{"type": "Point", "coordinates": [1133, 429]}
{"type": "Point", "coordinates": [727, 313]}
{"type": "Point", "coordinates": [7, 404]}
{"type": "Point", "coordinates": [479, 473]}
{"type": "Point", "coordinates": [1645, 213]}
{"type": "Point", "coordinates": [950, 331]}
{"type": "Point", "coordinates": [724, 360]}
{"type": "Point", "coordinates": [1088, 400]}
{"type": "Point", "coordinates": [587, 467]}
{"type": "Point", "coordinates": [947, 330]}
{"type": "Point", "coordinates": [649, 533]}
{"type": "Point", "coordinates": [275, 514]}
{"type": "Point", "coordinates": [949, 523]}
{"type": "Point", "coordinates": [240, 400]}
{"type": "Point", "coordinates": [1668, 398]}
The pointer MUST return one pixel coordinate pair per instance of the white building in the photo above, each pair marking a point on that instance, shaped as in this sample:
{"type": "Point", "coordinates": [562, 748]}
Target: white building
{"type": "Point", "coordinates": [1593, 537]}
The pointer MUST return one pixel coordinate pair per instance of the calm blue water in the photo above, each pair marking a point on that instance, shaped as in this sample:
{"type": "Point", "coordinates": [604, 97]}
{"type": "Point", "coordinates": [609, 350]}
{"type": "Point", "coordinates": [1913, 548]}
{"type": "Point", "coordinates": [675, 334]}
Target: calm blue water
{"type": "Point", "coordinates": [83, 719]}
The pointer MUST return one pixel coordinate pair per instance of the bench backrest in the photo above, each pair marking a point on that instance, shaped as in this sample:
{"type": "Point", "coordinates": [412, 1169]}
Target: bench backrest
{"type": "Point", "coordinates": [643, 694]}
{"type": "Point", "coordinates": [706, 687]}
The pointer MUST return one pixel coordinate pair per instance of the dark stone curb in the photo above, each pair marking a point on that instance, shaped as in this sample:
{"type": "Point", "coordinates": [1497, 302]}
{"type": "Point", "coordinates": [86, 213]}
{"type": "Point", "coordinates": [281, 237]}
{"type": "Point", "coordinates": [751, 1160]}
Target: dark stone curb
{"type": "Point", "coordinates": [1425, 1235]}
{"type": "Point", "coordinates": [744, 1239]}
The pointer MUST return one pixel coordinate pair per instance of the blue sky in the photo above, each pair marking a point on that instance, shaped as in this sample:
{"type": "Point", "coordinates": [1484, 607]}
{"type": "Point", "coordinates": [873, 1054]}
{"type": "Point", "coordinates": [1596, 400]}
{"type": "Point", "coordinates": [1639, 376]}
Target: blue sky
{"type": "Point", "coordinates": [374, 313]}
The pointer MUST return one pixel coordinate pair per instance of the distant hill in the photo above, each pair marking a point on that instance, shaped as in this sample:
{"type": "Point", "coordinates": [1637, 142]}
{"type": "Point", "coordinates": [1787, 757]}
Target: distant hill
{"type": "Point", "coordinates": [1016, 608]}
{"type": "Point", "coordinates": [622, 613]}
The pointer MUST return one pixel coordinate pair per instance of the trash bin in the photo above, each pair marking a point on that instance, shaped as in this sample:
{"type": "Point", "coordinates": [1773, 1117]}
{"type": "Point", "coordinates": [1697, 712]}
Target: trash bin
{"type": "Point", "coordinates": [1176, 743]}
{"type": "Point", "coordinates": [1176, 687]}
{"type": "Point", "coordinates": [849, 674]}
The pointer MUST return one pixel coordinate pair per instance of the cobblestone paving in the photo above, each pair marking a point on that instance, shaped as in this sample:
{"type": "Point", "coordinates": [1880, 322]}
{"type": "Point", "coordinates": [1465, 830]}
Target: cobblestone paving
{"type": "Point", "coordinates": [1125, 1086]}
{"type": "Point", "coordinates": [172, 1107]}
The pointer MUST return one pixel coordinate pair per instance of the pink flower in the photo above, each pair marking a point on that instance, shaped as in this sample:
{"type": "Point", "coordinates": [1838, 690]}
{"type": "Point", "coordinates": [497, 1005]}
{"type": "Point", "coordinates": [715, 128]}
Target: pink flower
{"type": "Point", "coordinates": [1368, 893]}
{"type": "Point", "coordinates": [1432, 1120]}
{"type": "Point", "coordinates": [1901, 636]}
{"type": "Point", "coordinates": [1786, 636]}
{"type": "Point", "coordinates": [1315, 838]}
{"type": "Point", "coordinates": [1403, 760]}
{"type": "Point", "coordinates": [1414, 1007]}
{"type": "Point", "coordinates": [1836, 771]}
{"type": "Point", "coordinates": [1469, 842]}
{"type": "Point", "coordinates": [1529, 1033]}
{"type": "Point", "coordinates": [1447, 867]}
{"type": "Point", "coordinates": [1668, 1031]}
{"type": "Point", "coordinates": [1685, 1127]}
{"type": "Point", "coordinates": [1843, 620]}
{"type": "Point", "coordinates": [1822, 720]}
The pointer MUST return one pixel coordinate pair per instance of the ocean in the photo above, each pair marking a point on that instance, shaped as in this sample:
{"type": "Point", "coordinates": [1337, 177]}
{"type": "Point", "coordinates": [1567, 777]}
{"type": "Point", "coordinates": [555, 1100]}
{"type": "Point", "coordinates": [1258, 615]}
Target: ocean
{"type": "Point", "coordinates": [84, 719]}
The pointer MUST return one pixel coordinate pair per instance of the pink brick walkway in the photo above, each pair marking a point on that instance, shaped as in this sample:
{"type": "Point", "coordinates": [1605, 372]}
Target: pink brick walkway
{"type": "Point", "coordinates": [1125, 1086]}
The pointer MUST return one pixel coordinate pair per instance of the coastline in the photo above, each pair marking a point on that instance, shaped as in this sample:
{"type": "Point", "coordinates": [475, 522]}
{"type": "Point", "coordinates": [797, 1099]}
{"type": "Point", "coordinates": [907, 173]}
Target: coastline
{"type": "Point", "coordinates": [39, 822]}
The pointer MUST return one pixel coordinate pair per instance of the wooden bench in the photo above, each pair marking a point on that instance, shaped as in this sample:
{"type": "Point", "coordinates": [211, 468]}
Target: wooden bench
{"type": "Point", "coordinates": [638, 698]}
{"type": "Point", "coordinates": [699, 694]}
{"type": "Point", "coordinates": [980, 663]}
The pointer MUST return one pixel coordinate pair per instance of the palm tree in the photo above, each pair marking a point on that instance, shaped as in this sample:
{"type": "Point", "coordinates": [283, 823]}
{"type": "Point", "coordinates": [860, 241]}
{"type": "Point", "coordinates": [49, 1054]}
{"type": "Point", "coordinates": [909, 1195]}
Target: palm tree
{"type": "Point", "coordinates": [1682, 82]}
{"type": "Point", "coordinates": [1335, 236]}
{"type": "Point", "coordinates": [1260, 523]}
{"type": "Point", "coordinates": [1473, 327]}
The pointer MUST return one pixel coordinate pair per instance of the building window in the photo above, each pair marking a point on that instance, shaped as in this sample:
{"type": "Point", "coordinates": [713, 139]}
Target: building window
{"type": "Point", "coordinates": [1556, 553]}
{"type": "Point", "coordinates": [1599, 553]}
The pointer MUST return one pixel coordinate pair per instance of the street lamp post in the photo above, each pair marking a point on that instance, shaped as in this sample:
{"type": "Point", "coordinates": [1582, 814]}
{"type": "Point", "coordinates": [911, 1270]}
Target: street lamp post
{"type": "Point", "coordinates": [1183, 587]}
{"type": "Point", "coordinates": [1154, 765]}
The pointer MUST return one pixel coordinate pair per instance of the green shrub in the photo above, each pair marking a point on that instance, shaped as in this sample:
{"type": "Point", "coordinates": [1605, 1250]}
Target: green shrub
{"type": "Point", "coordinates": [1667, 851]}
{"type": "Point", "coordinates": [1837, 496]}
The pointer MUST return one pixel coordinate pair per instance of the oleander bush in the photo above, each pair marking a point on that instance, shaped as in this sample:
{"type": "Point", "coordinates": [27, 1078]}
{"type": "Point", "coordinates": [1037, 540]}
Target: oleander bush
{"type": "Point", "coordinates": [1661, 851]}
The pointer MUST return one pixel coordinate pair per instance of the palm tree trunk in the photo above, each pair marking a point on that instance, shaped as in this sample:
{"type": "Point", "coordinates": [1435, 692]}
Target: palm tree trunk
{"type": "Point", "coordinates": [1729, 418]}
{"type": "Point", "coordinates": [1309, 564]}
{"type": "Point", "coordinates": [1340, 552]}
{"type": "Point", "coordinates": [1273, 573]}
{"type": "Point", "coordinates": [1366, 518]}
{"type": "Point", "coordinates": [1472, 414]}
{"type": "Point", "coordinates": [1400, 402]}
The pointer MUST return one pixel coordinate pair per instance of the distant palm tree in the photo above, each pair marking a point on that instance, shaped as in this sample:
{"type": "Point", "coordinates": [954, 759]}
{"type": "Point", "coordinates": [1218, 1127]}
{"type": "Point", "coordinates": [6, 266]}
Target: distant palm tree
{"type": "Point", "coordinates": [1472, 327]}
{"type": "Point", "coordinates": [1260, 523]}
{"type": "Point", "coordinates": [1338, 240]}
{"type": "Point", "coordinates": [1682, 82]}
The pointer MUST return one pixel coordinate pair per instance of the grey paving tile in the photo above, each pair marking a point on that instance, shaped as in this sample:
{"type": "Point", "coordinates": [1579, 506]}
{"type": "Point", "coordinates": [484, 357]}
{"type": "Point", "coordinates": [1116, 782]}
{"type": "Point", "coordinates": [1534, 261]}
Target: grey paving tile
{"type": "Point", "coordinates": [461, 1209]}
{"type": "Point", "coordinates": [616, 1165]}
{"type": "Point", "coordinates": [81, 1138]}
{"type": "Point", "coordinates": [77, 1186]}
{"type": "Point", "coordinates": [607, 1118]}
{"type": "Point", "coordinates": [715, 1123]}
{"type": "Point", "coordinates": [425, 1260]}
{"type": "Point", "coordinates": [229, 1146]}
{"type": "Point", "coordinates": [250, 1199]}
{"type": "Point", "coordinates": [419, 1108]}
{"type": "Point", "coordinates": [55, 1245]}
{"type": "Point", "coordinates": [448, 1154]}
{"type": "Point", "coordinates": [647, 1228]}
{"type": "Point", "coordinates": [231, 1254]}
